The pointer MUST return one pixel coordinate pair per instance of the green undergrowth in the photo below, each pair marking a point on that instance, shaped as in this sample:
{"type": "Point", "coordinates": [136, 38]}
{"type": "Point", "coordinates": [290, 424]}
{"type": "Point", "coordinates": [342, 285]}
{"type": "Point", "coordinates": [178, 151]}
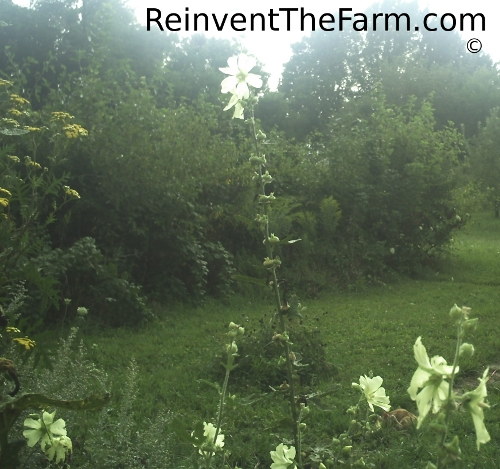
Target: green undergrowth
{"type": "Point", "coordinates": [352, 334]}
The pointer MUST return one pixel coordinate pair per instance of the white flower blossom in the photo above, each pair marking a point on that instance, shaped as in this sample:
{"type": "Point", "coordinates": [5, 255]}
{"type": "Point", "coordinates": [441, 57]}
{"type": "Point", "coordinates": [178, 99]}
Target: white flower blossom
{"type": "Point", "coordinates": [430, 376]}
{"type": "Point", "coordinates": [473, 402]}
{"type": "Point", "coordinates": [239, 79]}
{"type": "Point", "coordinates": [374, 393]}
{"type": "Point", "coordinates": [43, 429]}
{"type": "Point", "coordinates": [282, 457]}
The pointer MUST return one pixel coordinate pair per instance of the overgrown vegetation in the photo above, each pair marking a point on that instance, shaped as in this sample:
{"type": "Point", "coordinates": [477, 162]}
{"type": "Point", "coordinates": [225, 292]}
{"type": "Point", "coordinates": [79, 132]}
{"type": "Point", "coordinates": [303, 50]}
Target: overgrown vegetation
{"type": "Point", "coordinates": [152, 199]}
{"type": "Point", "coordinates": [382, 165]}
{"type": "Point", "coordinates": [370, 330]}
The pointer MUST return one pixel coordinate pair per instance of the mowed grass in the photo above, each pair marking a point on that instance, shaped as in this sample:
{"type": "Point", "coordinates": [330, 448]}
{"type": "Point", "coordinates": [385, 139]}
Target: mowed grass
{"type": "Point", "coordinates": [369, 331]}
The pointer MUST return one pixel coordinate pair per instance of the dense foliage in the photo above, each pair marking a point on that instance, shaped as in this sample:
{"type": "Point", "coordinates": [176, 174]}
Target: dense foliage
{"type": "Point", "coordinates": [369, 153]}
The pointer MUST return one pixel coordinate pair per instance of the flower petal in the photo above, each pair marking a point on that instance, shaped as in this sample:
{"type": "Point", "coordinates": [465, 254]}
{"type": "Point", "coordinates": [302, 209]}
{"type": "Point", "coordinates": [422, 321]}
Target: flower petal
{"type": "Point", "coordinates": [424, 403]}
{"type": "Point", "coordinates": [234, 99]}
{"type": "Point", "coordinates": [228, 84]}
{"type": "Point", "coordinates": [482, 435]}
{"type": "Point", "coordinates": [238, 111]}
{"type": "Point", "coordinates": [242, 90]}
{"type": "Point", "coordinates": [233, 66]}
{"type": "Point", "coordinates": [254, 80]}
{"type": "Point", "coordinates": [32, 423]}
{"type": "Point", "coordinates": [246, 63]}
{"type": "Point", "coordinates": [33, 436]}
{"type": "Point", "coordinates": [421, 355]}
{"type": "Point", "coordinates": [57, 428]}
{"type": "Point", "coordinates": [419, 378]}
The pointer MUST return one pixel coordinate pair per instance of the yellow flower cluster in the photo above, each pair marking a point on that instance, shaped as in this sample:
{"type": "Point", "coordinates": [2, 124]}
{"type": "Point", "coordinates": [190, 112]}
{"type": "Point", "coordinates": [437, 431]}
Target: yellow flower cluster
{"type": "Point", "coordinates": [74, 131]}
{"type": "Point", "coordinates": [16, 99]}
{"type": "Point", "coordinates": [5, 83]}
{"type": "Point", "coordinates": [25, 342]}
{"type": "Point", "coordinates": [33, 129]}
{"type": "Point", "coordinates": [5, 191]}
{"type": "Point", "coordinates": [10, 121]}
{"type": "Point", "coordinates": [60, 116]}
{"type": "Point", "coordinates": [71, 192]}
{"type": "Point", "coordinates": [14, 112]}
{"type": "Point", "coordinates": [4, 202]}
{"type": "Point", "coordinates": [14, 158]}
{"type": "Point", "coordinates": [34, 164]}
{"type": "Point", "coordinates": [11, 329]}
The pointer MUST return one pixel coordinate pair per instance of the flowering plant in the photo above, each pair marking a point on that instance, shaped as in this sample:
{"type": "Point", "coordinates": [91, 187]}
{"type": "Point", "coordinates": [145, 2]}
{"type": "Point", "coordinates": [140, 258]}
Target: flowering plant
{"type": "Point", "coordinates": [435, 378]}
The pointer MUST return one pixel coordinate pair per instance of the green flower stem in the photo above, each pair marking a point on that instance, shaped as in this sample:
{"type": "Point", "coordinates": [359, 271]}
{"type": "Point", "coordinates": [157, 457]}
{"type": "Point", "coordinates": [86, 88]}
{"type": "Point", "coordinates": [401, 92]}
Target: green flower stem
{"type": "Point", "coordinates": [450, 390]}
{"type": "Point", "coordinates": [229, 367]}
{"type": "Point", "coordinates": [289, 366]}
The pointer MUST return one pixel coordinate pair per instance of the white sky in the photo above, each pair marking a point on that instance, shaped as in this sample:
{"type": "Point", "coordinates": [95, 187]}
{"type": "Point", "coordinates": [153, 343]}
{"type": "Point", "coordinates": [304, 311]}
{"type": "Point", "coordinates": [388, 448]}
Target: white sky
{"type": "Point", "coordinates": [273, 47]}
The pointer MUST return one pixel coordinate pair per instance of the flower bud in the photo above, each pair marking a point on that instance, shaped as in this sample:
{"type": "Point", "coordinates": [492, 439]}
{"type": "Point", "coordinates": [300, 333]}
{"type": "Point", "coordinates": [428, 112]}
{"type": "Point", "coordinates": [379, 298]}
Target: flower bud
{"type": "Point", "coordinates": [439, 424]}
{"type": "Point", "coordinates": [232, 348]}
{"type": "Point", "coordinates": [265, 199]}
{"type": "Point", "coordinates": [241, 330]}
{"type": "Point", "coordinates": [346, 451]}
{"type": "Point", "coordinates": [267, 178]}
{"type": "Point", "coordinates": [335, 442]}
{"type": "Point", "coordinates": [304, 410]}
{"type": "Point", "coordinates": [273, 239]}
{"type": "Point", "coordinates": [359, 463]}
{"type": "Point", "coordinates": [453, 448]}
{"type": "Point", "coordinates": [321, 466]}
{"type": "Point", "coordinates": [456, 313]}
{"type": "Point", "coordinates": [466, 351]}
{"type": "Point", "coordinates": [257, 160]}
{"type": "Point", "coordinates": [470, 325]}
{"type": "Point", "coordinates": [261, 219]}
{"type": "Point", "coordinates": [81, 311]}
{"type": "Point", "coordinates": [357, 386]}
{"type": "Point", "coordinates": [430, 466]}
{"type": "Point", "coordinates": [302, 426]}
{"type": "Point", "coordinates": [352, 410]}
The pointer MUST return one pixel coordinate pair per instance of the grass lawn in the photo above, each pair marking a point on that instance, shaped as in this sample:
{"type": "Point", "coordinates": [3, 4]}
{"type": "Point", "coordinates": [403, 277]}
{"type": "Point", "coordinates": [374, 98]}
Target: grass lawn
{"type": "Point", "coordinates": [369, 331]}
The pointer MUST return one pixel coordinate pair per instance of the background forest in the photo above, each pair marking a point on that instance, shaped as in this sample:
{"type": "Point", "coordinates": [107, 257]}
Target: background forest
{"type": "Point", "coordinates": [378, 143]}
{"type": "Point", "coordinates": [124, 186]}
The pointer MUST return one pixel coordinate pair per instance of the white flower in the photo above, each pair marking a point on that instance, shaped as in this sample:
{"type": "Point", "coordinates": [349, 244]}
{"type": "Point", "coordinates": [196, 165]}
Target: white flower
{"type": "Point", "coordinates": [60, 446]}
{"type": "Point", "coordinates": [282, 457]}
{"type": "Point", "coordinates": [209, 435]}
{"type": "Point", "coordinates": [430, 376]}
{"type": "Point", "coordinates": [473, 401]}
{"type": "Point", "coordinates": [374, 393]}
{"type": "Point", "coordinates": [238, 108]}
{"type": "Point", "coordinates": [43, 429]}
{"type": "Point", "coordinates": [237, 83]}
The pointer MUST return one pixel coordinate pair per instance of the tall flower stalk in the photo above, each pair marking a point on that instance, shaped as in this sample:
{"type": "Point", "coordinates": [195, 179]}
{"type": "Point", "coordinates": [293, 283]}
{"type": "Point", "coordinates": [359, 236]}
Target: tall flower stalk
{"type": "Point", "coordinates": [237, 85]}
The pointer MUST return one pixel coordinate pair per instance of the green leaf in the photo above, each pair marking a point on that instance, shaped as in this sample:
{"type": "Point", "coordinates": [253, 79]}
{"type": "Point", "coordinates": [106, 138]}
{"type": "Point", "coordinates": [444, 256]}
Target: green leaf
{"type": "Point", "coordinates": [288, 240]}
{"type": "Point", "coordinates": [13, 131]}
{"type": "Point", "coordinates": [29, 401]}
{"type": "Point", "coordinates": [209, 383]}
